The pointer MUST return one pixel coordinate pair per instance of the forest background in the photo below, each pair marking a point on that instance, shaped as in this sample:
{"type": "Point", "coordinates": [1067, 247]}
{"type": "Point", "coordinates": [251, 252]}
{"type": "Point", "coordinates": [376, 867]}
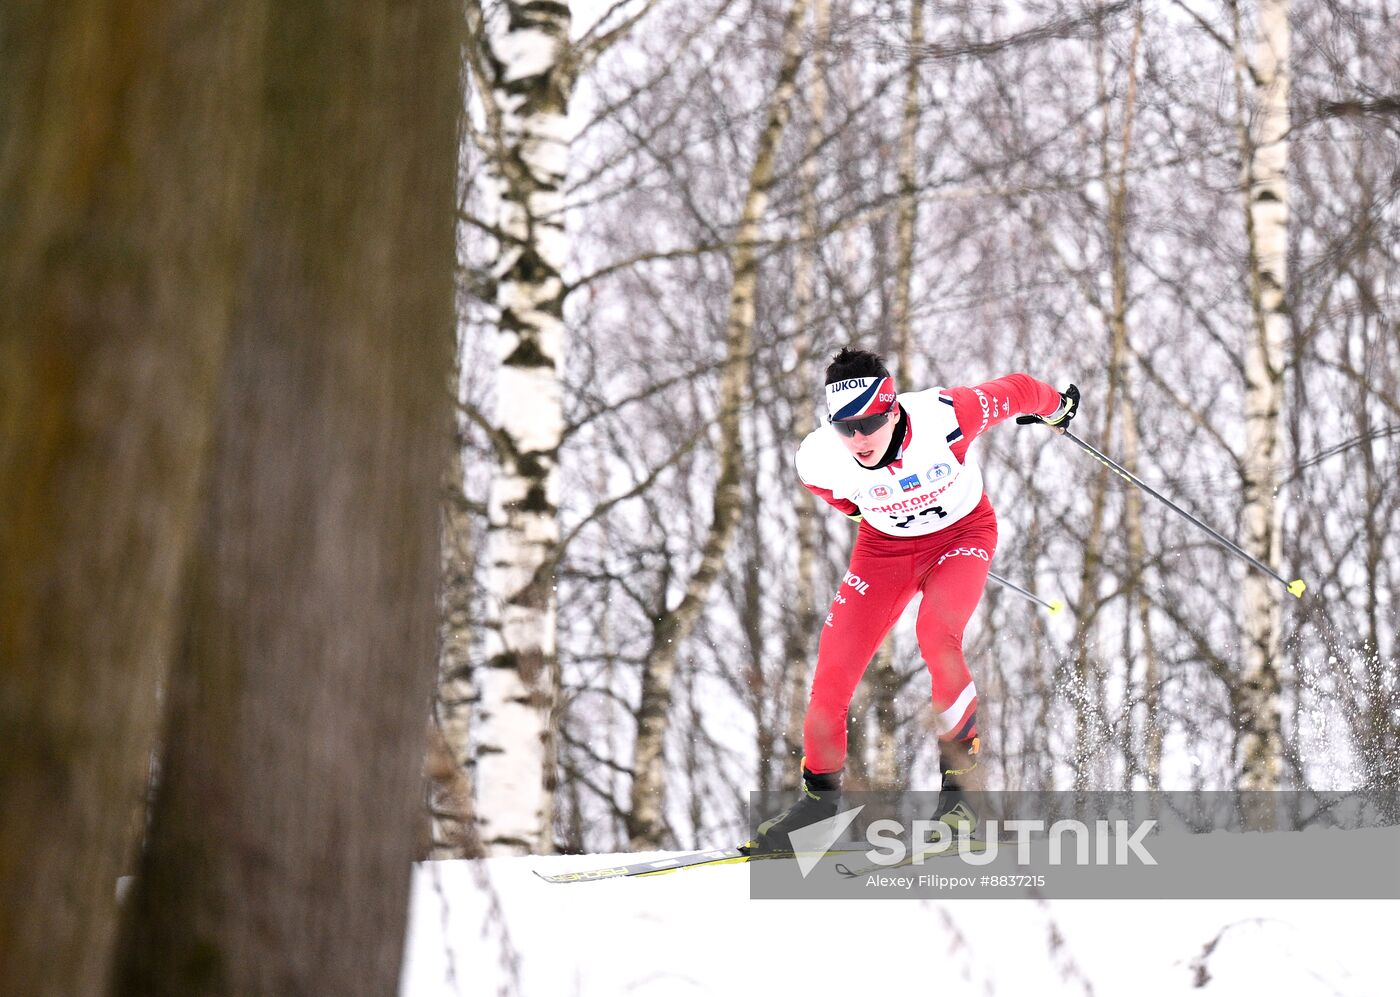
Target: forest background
{"type": "Point", "coordinates": [1186, 209]}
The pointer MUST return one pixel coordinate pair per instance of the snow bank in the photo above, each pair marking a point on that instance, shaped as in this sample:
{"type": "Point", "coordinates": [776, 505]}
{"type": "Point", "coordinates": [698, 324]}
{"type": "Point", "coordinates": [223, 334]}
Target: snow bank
{"type": "Point", "coordinates": [493, 927]}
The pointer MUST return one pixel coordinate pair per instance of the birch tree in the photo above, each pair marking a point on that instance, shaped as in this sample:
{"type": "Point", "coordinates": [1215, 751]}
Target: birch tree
{"type": "Point", "coordinates": [647, 808]}
{"type": "Point", "coordinates": [524, 81]}
{"type": "Point", "coordinates": [1137, 623]}
{"type": "Point", "coordinates": [526, 68]}
{"type": "Point", "coordinates": [885, 678]}
{"type": "Point", "coordinates": [805, 621]}
{"type": "Point", "coordinates": [1137, 618]}
{"type": "Point", "coordinates": [1263, 88]}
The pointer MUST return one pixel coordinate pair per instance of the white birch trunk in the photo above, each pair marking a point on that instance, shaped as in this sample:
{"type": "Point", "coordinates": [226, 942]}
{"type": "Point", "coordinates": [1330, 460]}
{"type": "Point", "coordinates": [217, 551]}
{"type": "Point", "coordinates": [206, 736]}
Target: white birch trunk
{"type": "Point", "coordinates": [529, 89]}
{"type": "Point", "coordinates": [908, 214]}
{"type": "Point", "coordinates": [803, 628]}
{"type": "Point", "coordinates": [884, 677]}
{"type": "Point", "coordinates": [647, 805]}
{"type": "Point", "coordinates": [1118, 222]}
{"type": "Point", "coordinates": [1265, 87]}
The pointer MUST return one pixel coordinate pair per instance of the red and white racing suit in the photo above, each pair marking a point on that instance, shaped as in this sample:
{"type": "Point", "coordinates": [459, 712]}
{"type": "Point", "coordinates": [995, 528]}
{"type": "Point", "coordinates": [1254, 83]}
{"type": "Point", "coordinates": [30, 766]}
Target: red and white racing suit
{"type": "Point", "coordinates": [927, 527]}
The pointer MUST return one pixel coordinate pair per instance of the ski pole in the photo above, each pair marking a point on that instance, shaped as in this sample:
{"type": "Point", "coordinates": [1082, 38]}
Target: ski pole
{"type": "Point", "coordinates": [1295, 587]}
{"type": "Point", "coordinates": [1054, 605]}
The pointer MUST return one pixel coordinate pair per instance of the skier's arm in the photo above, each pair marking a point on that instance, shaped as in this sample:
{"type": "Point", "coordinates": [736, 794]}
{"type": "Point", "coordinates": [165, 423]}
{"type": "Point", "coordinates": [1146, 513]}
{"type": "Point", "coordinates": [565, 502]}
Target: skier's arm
{"type": "Point", "coordinates": [982, 406]}
{"type": "Point", "coordinates": [845, 506]}
{"type": "Point", "coordinates": [809, 472]}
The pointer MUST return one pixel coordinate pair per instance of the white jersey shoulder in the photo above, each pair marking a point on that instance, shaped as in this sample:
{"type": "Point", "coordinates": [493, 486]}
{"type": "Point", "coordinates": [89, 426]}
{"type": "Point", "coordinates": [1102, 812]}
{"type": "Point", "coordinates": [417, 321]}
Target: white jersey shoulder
{"type": "Point", "coordinates": [924, 490]}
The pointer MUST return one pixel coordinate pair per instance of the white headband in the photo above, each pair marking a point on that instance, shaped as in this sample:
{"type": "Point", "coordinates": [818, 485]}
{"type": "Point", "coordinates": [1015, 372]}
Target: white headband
{"type": "Point", "coordinates": [857, 397]}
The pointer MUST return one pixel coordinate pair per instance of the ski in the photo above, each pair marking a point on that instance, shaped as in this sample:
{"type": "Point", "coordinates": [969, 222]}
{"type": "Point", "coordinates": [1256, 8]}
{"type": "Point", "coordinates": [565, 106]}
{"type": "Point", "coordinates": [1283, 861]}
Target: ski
{"type": "Point", "coordinates": [733, 856]}
{"type": "Point", "coordinates": [658, 867]}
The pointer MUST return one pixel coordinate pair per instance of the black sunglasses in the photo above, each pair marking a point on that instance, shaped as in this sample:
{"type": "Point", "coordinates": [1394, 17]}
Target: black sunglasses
{"type": "Point", "coordinates": [867, 426]}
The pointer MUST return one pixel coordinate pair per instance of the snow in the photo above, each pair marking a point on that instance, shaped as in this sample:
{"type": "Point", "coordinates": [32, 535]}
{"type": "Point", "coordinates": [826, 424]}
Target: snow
{"type": "Point", "coordinates": [493, 927]}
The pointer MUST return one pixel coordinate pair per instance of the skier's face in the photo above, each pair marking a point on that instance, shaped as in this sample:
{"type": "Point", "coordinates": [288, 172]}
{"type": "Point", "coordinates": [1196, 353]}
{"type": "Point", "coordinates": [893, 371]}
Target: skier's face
{"type": "Point", "coordinates": [867, 449]}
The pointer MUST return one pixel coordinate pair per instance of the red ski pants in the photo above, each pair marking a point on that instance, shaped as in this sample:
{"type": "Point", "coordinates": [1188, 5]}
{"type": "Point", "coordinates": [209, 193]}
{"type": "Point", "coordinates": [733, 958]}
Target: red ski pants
{"type": "Point", "coordinates": [950, 569]}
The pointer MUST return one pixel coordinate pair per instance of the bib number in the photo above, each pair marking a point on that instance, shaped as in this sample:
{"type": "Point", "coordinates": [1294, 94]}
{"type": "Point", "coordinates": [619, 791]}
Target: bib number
{"type": "Point", "coordinates": [908, 520]}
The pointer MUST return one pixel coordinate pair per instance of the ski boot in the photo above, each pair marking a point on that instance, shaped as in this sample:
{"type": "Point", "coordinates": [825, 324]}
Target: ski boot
{"type": "Point", "coordinates": [821, 798]}
{"type": "Point", "coordinates": [960, 777]}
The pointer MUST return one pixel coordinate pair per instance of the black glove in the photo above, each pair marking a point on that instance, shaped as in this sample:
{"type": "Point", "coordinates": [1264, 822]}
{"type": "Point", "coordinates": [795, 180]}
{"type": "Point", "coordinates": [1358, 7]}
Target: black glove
{"type": "Point", "coordinates": [1069, 405]}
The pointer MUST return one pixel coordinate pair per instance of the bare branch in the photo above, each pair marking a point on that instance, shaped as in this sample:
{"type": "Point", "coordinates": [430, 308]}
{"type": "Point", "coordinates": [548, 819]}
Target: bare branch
{"type": "Point", "coordinates": [588, 49]}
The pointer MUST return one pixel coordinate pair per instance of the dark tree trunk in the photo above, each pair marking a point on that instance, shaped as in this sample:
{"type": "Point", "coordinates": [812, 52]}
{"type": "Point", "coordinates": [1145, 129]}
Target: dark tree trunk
{"type": "Point", "coordinates": [123, 158]}
{"type": "Point", "coordinates": [291, 789]}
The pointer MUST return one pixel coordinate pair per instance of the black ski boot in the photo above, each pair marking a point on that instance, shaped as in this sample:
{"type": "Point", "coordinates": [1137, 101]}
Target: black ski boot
{"type": "Point", "coordinates": [821, 798]}
{"type": "Point", "coordinates": [960, 777]}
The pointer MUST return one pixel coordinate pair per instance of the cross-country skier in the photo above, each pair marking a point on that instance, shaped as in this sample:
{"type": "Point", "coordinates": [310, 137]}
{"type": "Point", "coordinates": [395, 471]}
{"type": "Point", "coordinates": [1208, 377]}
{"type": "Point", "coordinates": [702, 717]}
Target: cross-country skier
{"type": "Point", "coordinates": [899, 465]}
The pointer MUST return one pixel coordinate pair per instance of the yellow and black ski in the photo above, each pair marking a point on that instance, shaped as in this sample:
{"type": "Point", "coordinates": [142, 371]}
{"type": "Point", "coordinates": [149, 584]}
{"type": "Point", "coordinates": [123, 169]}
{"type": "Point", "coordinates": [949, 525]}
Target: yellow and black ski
{"type": "Point", "coordinates": [655, 867]}
{"type": "Point", "coordinates": [661, 866]}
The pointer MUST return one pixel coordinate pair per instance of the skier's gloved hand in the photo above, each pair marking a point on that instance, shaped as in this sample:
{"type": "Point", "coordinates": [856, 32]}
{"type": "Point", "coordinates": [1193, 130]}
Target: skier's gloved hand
{"type": "Point", "coordinates": [1059, 419]}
